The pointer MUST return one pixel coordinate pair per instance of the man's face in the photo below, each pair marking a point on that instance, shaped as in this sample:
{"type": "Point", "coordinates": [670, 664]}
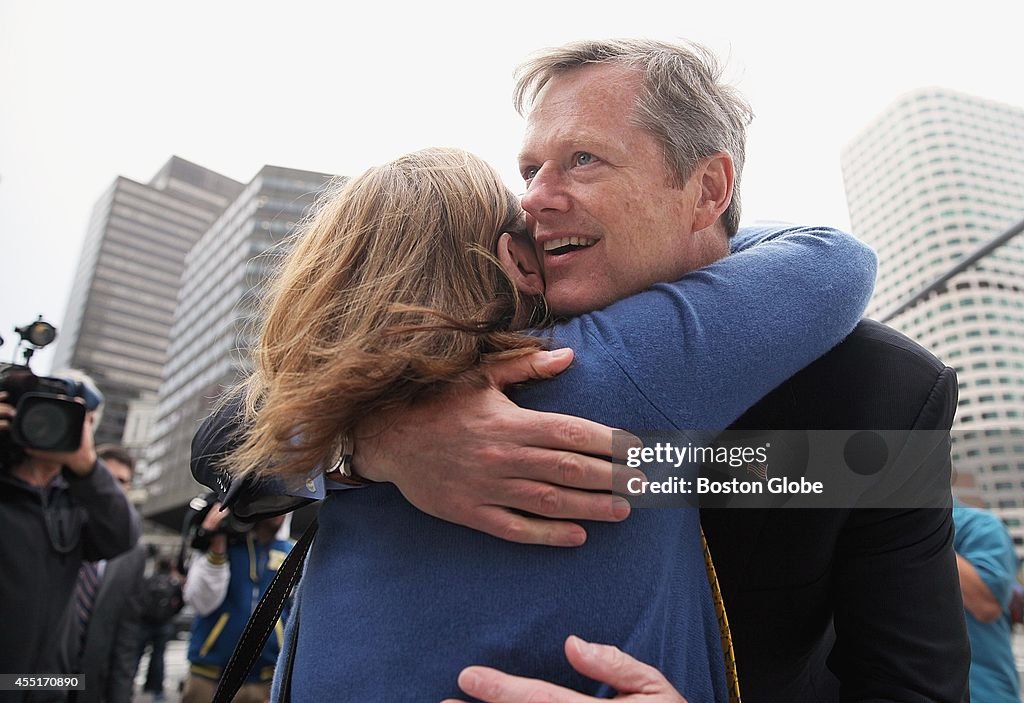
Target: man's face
{"type": "Point", "coordinates": [593, 175]}
{"type": "Point", "coordinates": [122, 473]}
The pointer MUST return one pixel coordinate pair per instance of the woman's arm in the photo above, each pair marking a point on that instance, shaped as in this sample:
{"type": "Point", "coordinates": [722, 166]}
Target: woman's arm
{"type": "Point", "coordinates": [704, 349]}
{"type": "Point", "coordinates": [482, 462]}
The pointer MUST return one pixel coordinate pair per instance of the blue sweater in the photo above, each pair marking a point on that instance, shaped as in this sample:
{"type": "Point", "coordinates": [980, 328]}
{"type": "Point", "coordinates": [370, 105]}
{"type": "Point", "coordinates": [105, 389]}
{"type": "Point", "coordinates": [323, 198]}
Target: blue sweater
{"type": "Point", "coordinates": [394, 603]}
{"type": "Point", "coordinates": [982, 540]}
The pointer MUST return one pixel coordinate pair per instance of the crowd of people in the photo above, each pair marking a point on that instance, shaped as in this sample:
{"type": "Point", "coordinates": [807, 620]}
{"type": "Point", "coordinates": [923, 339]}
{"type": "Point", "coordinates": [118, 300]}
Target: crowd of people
{"type": "Point", "coordinates": [81, 594]}
{"type": "Point", "coordinates": [449, 362]}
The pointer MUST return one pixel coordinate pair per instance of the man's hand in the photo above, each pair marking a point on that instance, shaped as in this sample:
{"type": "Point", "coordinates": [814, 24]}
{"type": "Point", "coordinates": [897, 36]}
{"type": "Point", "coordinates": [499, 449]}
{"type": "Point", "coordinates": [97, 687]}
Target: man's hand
{"type": "Point", "coordinates": [634, 680]}
{"type": "Point", "coordinates": [6, 413]}
{"type": "Point", "coordinates": [212, 524]}
{"type": "Point", "coordinates": [213, 519]}
{"type": "Point", "coordinates": [472, 457]}
{"type": "Point", "coordinates": [978, 597]}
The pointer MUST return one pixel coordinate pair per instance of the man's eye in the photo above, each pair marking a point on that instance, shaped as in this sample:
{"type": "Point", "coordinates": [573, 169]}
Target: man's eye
{"type": "Point", "coordinates": [529, 172]}
{"type": "Point", "coordinates": [583, 158]}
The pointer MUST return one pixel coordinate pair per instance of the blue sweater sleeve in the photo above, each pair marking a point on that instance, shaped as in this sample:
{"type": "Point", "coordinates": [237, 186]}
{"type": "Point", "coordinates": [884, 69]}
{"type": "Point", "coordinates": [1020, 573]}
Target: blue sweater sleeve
{"type": "Point", "coordinates": [982, 540]}
{"type": "Point", "coordinates": [704, 349]}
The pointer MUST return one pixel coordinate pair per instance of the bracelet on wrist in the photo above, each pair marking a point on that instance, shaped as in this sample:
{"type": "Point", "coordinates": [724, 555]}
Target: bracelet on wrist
{"type": "Point", "coordinates": [342, 471]}
{"type": "Point", "coordinates": [216, 559]}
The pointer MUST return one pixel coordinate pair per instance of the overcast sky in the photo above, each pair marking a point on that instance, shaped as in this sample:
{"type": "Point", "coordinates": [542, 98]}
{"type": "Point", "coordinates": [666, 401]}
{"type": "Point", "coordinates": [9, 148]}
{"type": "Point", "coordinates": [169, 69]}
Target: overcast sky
{"type": "Point", "coordinates": [90, 91]}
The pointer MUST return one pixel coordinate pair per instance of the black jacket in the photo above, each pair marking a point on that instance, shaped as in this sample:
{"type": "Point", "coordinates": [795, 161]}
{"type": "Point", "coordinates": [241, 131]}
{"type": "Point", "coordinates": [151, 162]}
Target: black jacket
{"type": "Point", "coordinates": [886, 577]}
{"type": "Point", "coordinates": [115, 633]}
{"type": "Point", "coordinates": [46, 536]}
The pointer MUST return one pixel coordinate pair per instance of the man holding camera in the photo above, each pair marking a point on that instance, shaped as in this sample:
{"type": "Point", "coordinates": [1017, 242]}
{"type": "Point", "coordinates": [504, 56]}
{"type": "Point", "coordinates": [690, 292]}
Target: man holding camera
{"type": "Point", "coordinates": [58, 509]}
{"type": "Point", "coordinates": [224, 586]}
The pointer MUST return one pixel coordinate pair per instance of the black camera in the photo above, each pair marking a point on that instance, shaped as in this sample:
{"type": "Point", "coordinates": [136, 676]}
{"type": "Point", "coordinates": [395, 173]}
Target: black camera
{"type": "Point", "coordinates": [193, 533]}
{"type": "Point", "coordinates": [50, 410]}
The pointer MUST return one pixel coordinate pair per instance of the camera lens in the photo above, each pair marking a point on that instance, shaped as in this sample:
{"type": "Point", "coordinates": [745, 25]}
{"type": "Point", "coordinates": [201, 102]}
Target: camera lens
{"type": "Point", "coordinates": [48, 423]}
{"type": "Point", "coordinates": [44, 425]}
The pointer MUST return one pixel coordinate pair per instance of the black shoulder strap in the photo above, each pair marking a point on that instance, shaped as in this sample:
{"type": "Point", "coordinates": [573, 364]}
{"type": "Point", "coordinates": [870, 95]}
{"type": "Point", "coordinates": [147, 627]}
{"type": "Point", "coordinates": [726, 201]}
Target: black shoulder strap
{"type": "Point", "coordinates": [261, 623]}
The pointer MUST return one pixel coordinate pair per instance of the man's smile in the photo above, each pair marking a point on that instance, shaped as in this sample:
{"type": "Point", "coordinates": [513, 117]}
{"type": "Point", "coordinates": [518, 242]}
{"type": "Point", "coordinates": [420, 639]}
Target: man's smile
{"type": "Point", "coordinates": [564, 245]}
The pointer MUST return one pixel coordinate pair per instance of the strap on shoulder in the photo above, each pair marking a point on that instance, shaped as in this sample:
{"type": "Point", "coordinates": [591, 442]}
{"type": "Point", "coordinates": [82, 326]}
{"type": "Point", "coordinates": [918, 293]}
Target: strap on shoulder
{"type": "Point", "coordinates": [261, 623]}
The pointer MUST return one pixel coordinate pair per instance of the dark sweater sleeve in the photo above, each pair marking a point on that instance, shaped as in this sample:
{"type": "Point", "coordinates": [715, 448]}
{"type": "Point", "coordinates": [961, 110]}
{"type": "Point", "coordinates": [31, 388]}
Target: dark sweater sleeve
{"type": "Point", "coordinates": [113, 526]}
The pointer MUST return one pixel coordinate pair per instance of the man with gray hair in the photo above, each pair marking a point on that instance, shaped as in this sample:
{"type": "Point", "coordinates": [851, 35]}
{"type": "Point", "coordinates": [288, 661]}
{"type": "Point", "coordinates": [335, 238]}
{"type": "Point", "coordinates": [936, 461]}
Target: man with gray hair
{"type": "Point", "coordinates": [605, 120]}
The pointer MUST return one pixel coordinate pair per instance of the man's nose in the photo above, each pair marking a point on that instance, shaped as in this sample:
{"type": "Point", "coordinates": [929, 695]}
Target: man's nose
{"type": "Point", "coordinates": [547, 193]}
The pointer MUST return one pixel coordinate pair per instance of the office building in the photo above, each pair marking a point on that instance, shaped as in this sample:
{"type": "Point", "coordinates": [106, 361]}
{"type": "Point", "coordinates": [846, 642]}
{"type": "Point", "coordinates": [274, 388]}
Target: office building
{"type": "Point", "coordinates": [121, 306]}
{"type": "Point", "coordinates": [213, 326]}
{"type": "Point", "coordinates": [930, 183]}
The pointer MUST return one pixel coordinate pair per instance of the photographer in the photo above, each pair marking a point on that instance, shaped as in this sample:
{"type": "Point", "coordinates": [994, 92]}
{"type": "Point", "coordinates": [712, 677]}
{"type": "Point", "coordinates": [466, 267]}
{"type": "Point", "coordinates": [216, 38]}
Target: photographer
{"type": "Point", "coordinates": [58, 509]}
{"type": "Point", "coordinates": [224, 587]}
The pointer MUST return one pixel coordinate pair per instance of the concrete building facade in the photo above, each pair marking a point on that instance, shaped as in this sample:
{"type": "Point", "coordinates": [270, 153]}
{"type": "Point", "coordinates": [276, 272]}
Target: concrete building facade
{"type": "Point", "coordinates": [213, 326]}
{"type": "Point", "coordinates": [119, 314]}
{"type": "Point", "coordinates": [934, 179]}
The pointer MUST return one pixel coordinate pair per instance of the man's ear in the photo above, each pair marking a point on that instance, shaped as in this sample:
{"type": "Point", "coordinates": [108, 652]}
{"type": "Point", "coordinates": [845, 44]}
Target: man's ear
{"type": "Point", "coordinates": [518, 257]}
{"type": "Point", "coordinates": [714, 178]}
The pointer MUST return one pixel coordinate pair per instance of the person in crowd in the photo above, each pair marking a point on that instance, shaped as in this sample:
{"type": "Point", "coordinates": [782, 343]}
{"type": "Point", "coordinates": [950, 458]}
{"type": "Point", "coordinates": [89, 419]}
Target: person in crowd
{"type": "Point", "coordinates": [395, 293]}
{"type": "Point", "coordinates": [109, 643]}
{"type": "Point", "coordinates": [224, 585]}
{"type": "Point", "coordinates": [58, 509]}
{"type": "Point", "coordinates": [162, 599]}
{"type": "Point", "coordinates": [987, 564]}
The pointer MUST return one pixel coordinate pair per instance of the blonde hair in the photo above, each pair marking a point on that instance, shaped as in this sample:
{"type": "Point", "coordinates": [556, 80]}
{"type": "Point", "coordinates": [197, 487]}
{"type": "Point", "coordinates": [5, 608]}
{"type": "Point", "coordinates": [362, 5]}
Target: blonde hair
{"type": "Point", "coordinates": [390, 291]}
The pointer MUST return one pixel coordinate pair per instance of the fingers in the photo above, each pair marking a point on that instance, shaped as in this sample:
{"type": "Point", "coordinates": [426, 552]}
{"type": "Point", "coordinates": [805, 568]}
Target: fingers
{"type": "Point", "coordinates": [215, 517]}
{"type": "Point", "coordinates": [555, 469]}
{"type": "Point", "coordinates": [546, 500]}
{"type": "Point", "coordinates": [562, 468]}
{"type": "Point", "coordinates": [541, 364]}
{"type": "Point", "coordinates": [632, 679]}
{"type": "Point", "coordinates": [571, 434]}
{"type": "Point", "coordinates": [510, 526]}
{"type": "Point", "coordinates": [492, 686]}
{"type": "Point", "coordinates": [550, 508]}
{"type": "Point", "coordinates": [614, 667]}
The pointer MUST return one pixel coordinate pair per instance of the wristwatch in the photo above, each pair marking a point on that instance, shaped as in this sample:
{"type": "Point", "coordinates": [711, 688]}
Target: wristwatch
{"type": "Point", "coordinates": [342, 471]}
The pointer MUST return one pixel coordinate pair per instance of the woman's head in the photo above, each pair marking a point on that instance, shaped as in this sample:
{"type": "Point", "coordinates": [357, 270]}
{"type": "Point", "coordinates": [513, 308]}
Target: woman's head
{"type": "Point", "coordinates": [391, 289]}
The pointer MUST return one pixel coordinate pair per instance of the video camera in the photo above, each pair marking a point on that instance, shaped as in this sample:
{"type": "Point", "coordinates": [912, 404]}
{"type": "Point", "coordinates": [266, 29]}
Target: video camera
{"type": "Point", "coordinates": [193, 536]}
{"type": "Point", "coordinates": [50, 410]}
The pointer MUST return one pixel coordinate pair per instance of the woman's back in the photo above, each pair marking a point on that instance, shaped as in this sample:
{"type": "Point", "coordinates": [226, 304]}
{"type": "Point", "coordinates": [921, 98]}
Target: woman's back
{"type": "Point", "coordinates": [394, 603]}
{"type": "Point", "coordinates": [411, 600]}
